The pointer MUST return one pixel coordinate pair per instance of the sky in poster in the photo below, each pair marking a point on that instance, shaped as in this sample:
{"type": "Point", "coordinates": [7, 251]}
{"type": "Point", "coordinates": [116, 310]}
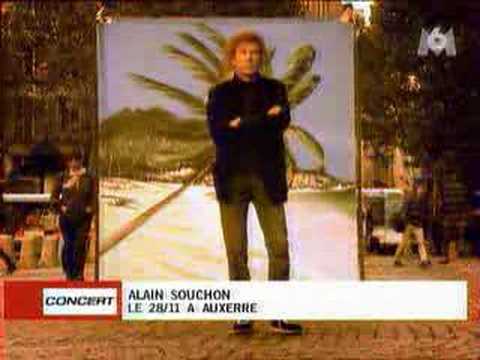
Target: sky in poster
{"type": "Point", "coordinates": [134, 45]}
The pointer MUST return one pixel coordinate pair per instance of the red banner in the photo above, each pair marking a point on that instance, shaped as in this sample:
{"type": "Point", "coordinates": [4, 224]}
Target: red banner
{"type": "Point", "coordinates": [25, 300]}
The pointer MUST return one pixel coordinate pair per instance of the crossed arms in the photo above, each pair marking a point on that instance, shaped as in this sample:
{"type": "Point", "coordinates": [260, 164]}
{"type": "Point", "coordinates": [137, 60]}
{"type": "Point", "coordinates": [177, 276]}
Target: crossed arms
{"type": "Point", "coordinates": [224, 123]}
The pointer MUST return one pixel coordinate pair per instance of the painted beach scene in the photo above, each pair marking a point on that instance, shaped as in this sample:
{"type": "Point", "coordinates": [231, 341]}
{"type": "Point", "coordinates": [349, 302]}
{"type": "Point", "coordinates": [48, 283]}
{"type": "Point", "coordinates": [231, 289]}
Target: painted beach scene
{"type": "Point", "coordinates": [159, 216]}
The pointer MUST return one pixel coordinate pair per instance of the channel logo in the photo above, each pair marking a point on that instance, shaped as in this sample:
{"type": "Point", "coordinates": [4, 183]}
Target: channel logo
{"type": "Point", "coordinates": [437, 42]}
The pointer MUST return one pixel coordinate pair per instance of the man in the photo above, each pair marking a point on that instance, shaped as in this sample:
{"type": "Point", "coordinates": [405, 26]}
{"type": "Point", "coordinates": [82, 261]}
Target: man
{"type": "Point", "coordinates": [347, 15]}
{"type": "Point", "coordinates": [247, 116]}
{"type": "Point", "coordinates": [415, 214]}
{"type": "Point", "coordinates": [75, 199]}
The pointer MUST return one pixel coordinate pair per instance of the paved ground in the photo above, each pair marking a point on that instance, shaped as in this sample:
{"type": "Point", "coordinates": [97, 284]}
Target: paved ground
{"type": "Point", "coordinates": [63, 340]}
{"type": "Point", "coordinates": [47, 274]}
{"type": "Point", "coordinates": [210, 340]}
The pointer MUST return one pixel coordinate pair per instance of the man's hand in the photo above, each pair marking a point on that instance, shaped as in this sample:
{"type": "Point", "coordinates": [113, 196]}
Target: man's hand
{"type": "Point", "coordinates": [235, 123]}
{"type": "Point", "coordinates": [63, 209]}
{"type": "Point", "coordinates": [274, 110]}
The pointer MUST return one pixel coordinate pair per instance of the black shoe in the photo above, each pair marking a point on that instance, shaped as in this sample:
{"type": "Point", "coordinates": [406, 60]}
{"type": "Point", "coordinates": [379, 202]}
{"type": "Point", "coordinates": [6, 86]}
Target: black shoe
{"type": "Point", "coordinates": [242, 327]}
{"type": "Point", "coordinates": [285, 327]}
{"type": "Point", "coordinates": [397, 263]}
{"type": "Point", "coordinates": [425, 264]}
{"type": "Point", "coordinates": [11, 268]}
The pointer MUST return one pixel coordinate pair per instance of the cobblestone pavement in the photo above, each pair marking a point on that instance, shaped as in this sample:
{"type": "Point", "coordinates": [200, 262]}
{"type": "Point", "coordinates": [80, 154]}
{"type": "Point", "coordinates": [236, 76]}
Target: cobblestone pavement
{"type": "Point", "coordinates": [210, 340]}
{"type": "Point", "coordinates": [202, 340]}
{"type": "Point", "coordinates": [47, 274]}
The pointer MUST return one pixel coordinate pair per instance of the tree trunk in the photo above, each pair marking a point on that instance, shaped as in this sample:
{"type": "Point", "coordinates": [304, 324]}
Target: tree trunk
{"type": "Point", "coordinates": [134, 224]}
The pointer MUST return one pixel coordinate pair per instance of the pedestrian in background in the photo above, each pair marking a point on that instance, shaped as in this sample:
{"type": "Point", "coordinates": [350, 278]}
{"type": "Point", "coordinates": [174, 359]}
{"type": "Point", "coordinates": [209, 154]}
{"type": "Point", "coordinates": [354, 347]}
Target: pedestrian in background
{"type": "Point", "coordinates": [415, 210]}
{"type": "Point", "coordinates": [75, 199]}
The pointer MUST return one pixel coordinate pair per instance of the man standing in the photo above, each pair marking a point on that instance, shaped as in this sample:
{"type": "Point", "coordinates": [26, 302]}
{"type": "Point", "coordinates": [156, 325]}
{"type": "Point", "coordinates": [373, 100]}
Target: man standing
{"type": "Point", "coordinates": [75, 197]}
{"type": "Point", "coordinates": [415, 214]}
{"type": "Point", "coordinates": [247, 116]}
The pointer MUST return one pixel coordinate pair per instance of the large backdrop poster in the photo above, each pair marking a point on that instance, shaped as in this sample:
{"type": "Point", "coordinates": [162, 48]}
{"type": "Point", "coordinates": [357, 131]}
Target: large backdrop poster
{"type": "Point", "coordinates": [159, 216]}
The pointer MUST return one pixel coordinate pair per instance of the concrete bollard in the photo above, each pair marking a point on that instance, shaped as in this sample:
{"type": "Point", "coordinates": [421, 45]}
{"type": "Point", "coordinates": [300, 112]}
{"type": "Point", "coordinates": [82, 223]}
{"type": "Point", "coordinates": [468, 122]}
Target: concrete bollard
{"type": "Point", "coordinates": [30, 250]}
{"type": "Point", "coordinates": [49, 255]}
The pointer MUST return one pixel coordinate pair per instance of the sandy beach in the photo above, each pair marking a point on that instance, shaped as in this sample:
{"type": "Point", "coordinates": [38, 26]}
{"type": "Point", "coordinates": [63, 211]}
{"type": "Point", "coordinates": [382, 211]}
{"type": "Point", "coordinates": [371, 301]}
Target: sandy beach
{"type": "Point", "coordinates": [183, 241]}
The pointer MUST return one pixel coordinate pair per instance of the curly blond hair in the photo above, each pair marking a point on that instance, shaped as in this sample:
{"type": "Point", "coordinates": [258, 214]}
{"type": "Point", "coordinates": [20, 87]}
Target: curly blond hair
{"type": "Point", "coordinates": [235, 40]}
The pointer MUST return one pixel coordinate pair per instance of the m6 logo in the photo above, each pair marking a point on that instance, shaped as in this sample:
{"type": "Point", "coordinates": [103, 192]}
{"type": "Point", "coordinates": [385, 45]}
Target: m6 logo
{"type": "Point", "coordinates": [437, 42]}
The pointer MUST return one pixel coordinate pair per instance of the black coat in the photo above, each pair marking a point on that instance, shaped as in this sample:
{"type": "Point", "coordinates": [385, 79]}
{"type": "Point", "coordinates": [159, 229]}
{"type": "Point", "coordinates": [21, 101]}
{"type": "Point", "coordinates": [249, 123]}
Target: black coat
{"type": "Point", "coordinates": [415, 210]}
{"type": "Point", "coordinates": [77, 200]}
{"type": "Point", "coordinates": [258, 143]}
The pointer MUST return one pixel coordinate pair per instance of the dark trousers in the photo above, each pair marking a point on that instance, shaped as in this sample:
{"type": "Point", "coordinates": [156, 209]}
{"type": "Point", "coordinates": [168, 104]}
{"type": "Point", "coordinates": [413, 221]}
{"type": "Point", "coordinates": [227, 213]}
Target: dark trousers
{"type": "Point", "coordinates": [75, 245]}
{"type": "Point", "coordinates": [10, 217]}
{"type": "Point", "coordinates": [437, 237]}
{"type": "Point", "coordinates": [472, 235]}
{"type": "Point", "coordinates": [8, 262]}
{"type": "Point", "coordinates": [8, 220]}
{"type": "Point", "coordinates": [248, 188]}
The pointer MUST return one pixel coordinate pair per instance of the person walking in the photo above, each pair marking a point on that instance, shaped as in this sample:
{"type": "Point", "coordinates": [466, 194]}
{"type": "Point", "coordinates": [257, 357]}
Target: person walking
{"type": "Point", "coordinates": [415, 210]}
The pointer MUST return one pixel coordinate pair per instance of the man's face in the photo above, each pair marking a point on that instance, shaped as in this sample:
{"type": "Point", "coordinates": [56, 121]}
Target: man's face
{"type": "Point", "coordinates": [349, 13]}
{"type": "Point", "coordinates": [419, 191]}
{"type": "Point", "coordinates": [7, 165]}
{"type": "Point", "coordinates": [247, 58]}
{"type": "Point", "coordinates": [74, 164]}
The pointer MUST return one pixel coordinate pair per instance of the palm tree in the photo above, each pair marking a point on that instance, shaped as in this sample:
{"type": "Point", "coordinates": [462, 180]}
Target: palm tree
{"type": "Point", "coordinates": [186, 141]}
{"type": "Point", "coordinates": [192, 133]}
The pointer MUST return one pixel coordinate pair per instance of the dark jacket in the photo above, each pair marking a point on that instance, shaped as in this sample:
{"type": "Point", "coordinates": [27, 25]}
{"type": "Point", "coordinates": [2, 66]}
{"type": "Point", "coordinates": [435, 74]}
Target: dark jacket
{"type": "Point", "coordinates": [415, 210]}
{"type": "Point", "coordinates": [257, 145]}
{"type": "Point", "coordinates": [79, 201]}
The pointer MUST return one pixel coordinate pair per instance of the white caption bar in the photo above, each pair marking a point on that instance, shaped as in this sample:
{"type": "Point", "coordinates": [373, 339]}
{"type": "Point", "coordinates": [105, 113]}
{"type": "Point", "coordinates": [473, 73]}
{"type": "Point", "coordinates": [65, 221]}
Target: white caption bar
{"type": "Point", "coordinates": [85, 301]}
{"type": "Point", "coordinates": [343, 300]}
